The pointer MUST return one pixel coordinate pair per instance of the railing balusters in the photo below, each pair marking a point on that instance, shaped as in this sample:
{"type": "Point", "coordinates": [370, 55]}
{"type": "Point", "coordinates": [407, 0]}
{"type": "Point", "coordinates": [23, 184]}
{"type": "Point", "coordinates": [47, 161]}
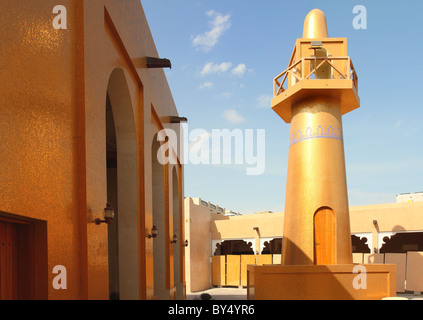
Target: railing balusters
{"type": "Point", "coordinates": [279, 86]}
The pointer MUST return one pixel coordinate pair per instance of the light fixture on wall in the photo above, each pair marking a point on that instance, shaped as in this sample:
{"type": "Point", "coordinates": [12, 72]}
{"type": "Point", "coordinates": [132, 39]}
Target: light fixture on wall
{"type": "Point", "coordinates": [174, 239]}
{"type": "Point", "coordinates": [175, 119]}
{"type": "Point", "coordinates": [186, 243]}
{"type": "Point", "coordinates": [315, 45]}
{"type": "Point", "coordinates": [109, 215]}
{"type": "Point", "coordinates": [152, 63]}
{"type": "Point", "coordinates": [154, 233]}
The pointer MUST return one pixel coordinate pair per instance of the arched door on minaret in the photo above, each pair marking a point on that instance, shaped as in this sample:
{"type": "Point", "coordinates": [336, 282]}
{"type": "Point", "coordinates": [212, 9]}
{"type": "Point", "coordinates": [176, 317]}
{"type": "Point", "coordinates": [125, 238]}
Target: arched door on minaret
{"type": "Point", "coordinates": [324, 70]}
{"type": "Point", "coordinates": [324, 237]}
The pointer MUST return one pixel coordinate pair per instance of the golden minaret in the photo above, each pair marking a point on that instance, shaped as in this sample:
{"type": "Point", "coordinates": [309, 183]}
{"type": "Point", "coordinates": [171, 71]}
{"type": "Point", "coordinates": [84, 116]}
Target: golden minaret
{"type": "Point", "coordinates": [318, 88]}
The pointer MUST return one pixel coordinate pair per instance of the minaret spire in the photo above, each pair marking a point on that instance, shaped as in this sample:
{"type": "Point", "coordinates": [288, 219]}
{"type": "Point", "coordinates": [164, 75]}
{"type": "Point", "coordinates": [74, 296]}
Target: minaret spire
{"type": "Point", "coordinates": [315, 25]}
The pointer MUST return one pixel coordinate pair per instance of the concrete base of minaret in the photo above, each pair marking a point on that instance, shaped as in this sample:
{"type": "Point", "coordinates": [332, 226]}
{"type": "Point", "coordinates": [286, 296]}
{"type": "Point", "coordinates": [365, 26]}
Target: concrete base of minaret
{"type": "Point", "coordinates": [323, 282]}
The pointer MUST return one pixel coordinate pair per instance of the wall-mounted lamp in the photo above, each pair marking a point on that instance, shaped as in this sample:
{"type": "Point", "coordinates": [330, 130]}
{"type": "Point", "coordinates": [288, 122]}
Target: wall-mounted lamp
{"type": "Point", "coordinates": [153, 63]}
{"type": "Point", "coordinates": [174, 239]}
{"type": "Point", "coordinates": [154, 233]}
{"type": "Point", "coordinates": [109, 215]}
{"type": "Point", "coordinates": [186, 243]}
{"type": "Point", "coordinates": [175, 119]}
{"type": "Point", "coordinates": [315, 45]}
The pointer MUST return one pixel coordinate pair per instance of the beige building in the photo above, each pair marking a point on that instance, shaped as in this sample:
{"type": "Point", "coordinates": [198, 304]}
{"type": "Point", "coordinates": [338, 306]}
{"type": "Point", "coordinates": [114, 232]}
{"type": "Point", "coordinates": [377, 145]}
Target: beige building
{"type": "Point", "coordinates": [380, 234]}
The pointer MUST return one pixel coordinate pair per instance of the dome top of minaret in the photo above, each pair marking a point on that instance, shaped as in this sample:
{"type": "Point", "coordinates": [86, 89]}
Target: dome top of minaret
{"type": "Point", "coordinates": [315, 25]}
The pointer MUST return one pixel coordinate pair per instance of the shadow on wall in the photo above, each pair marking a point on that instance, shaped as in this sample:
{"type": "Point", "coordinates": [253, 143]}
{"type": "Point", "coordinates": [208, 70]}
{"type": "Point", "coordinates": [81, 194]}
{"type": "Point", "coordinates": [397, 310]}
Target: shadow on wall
{"type": "Point", "coordinates": [233, 247]}
{"type": "Point", "coordinates": [402, 241]}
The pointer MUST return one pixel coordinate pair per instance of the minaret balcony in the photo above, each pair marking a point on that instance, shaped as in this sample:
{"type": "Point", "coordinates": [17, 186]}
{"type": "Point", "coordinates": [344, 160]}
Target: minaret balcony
{"type": "Point", "coordinates": [314, 77]}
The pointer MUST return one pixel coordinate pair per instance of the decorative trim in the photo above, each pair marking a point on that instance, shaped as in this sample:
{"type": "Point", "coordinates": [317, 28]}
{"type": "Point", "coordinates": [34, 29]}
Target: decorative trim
{"type": "Point", "coordinates": [318, 133]}
{"type": "Point", "coordinates": [381, 236]}
{"type": "Point", "coordinates": [368, 236]}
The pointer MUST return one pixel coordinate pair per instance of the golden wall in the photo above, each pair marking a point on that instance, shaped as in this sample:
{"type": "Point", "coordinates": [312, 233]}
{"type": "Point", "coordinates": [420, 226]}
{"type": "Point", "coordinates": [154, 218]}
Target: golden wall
{"type": "Point", "coordinates": [54, 84]}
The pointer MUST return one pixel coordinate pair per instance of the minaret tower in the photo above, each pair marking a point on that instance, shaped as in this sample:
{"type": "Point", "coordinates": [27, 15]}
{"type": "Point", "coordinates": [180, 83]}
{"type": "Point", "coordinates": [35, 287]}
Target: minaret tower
{"type": "Point", "coordinates": [317, 89]}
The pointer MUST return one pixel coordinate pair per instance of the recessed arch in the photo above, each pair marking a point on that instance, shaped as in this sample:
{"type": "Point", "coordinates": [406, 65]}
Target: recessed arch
{"type": "Point", "coordinates": [325, 70]}
{"type": "Point", "coordinates": [177, 230]}
{"type": "Point", "coordinates": [159, 209]}
{"type": "Point", "coordinates": [122, 185]}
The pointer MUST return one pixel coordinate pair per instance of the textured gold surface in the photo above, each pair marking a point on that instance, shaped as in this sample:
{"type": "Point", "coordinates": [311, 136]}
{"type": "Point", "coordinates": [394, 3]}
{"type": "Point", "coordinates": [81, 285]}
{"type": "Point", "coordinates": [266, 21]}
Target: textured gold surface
{"type": "Point", "coordinates": [324, 282]}
{"type": "Point", "coordinates": [52, 132]}
{"type": "Point", "coordinates": [316, 165]}
{"type": "Point", "coordinates": [316, 179]}
{"type": "Point", "coordinates": [37, 158]}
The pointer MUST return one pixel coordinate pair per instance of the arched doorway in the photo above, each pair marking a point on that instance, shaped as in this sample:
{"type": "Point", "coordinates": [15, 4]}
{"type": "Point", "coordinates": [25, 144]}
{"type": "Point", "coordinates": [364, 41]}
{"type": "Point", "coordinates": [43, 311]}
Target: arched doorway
{"type": "Point", "coordinates": [177, 248]}
{"type": "Point", "coordinates": [325, 70]}
{"type": "Point", "coordinates": [122, 189]}
{"type": "Point", "coordinates": [112, 198]}
{"type": "Point", "coordinates": [324, 237]}
{"type": "Point", "coordinates": [159, 243]}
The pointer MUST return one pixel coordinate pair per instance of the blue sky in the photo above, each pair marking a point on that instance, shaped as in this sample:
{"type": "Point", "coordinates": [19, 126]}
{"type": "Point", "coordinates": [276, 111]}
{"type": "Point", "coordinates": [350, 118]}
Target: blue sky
{"type": "Point", "coordinates": [225, 55]}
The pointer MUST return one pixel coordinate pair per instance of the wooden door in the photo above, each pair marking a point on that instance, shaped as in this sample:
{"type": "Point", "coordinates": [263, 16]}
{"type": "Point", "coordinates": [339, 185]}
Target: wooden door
{"type": "Point", "coordinates": [245, 261]}
{"type": "Point", "coordinates": [324, 237]}
{"type": "Point", "coordinates": [17, 260]}
{"type": "Point", "coordinates": [233, 270]}
{"type": "Point", "coordinates": [219, 271]}
{"type": "Point", "coordinates": [8, 261]}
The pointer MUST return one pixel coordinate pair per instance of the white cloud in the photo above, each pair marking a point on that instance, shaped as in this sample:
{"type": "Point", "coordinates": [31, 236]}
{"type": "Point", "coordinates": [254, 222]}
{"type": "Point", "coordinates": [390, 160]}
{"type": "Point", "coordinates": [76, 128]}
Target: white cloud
{"type": "Point", "coordinates": [264, 101]}
{"type": "Point", "coordinates": [216, 68]}
{"type": "Point", "coordinates": [206, 85]}
{"type": "Point", "coordinates": [239, 70]}
{"type": "Point", "coordinates": [233, 116]}
{"type": "Point", "coordinates": [219, 23]}
{"type": "Point", "coordinates": [223, 67]}
{"type": "Point", "coordinates": [226, 94]}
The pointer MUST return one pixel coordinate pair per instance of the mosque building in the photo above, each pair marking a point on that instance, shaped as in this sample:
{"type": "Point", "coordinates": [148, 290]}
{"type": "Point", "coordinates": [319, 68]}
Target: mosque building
{"type": "Point", "coordinates": [87, 211]}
